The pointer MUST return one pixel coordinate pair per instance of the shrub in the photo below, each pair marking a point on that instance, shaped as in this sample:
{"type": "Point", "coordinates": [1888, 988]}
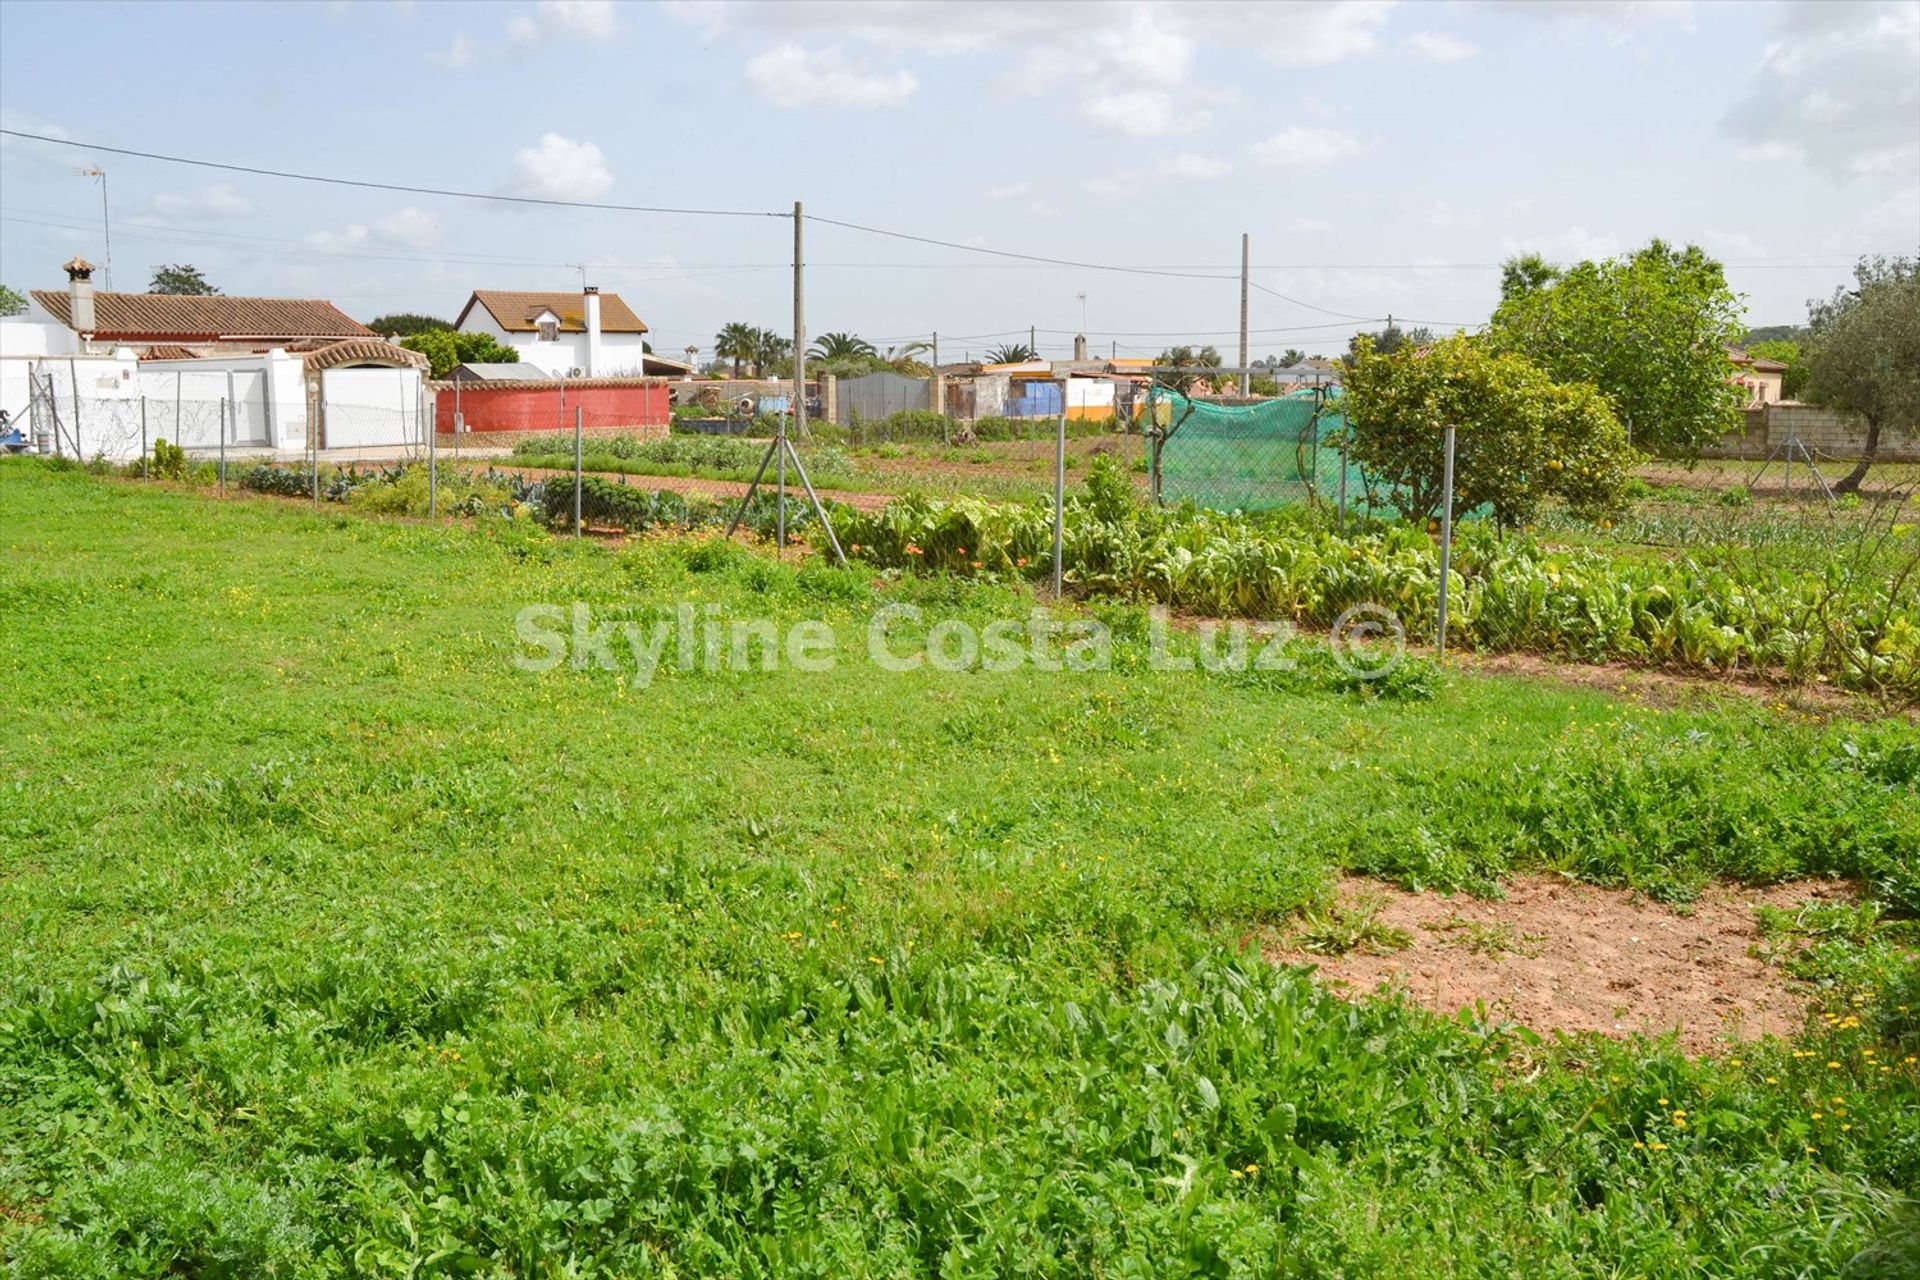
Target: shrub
{"type": "Point", "coordinates": [169, 460]}
{"type": "Point", "coordinates": [1521, 436]}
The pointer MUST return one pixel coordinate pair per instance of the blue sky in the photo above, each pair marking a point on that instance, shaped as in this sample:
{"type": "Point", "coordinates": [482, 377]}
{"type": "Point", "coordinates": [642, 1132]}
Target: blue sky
{"type": "Point", "coordinates": [1384, 157]}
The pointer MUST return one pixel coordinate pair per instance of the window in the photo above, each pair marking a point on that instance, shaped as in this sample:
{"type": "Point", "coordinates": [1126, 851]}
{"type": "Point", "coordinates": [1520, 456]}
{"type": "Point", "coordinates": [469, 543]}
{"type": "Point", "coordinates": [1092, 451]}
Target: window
{"type": "Point", "coordinates": [549, 331]}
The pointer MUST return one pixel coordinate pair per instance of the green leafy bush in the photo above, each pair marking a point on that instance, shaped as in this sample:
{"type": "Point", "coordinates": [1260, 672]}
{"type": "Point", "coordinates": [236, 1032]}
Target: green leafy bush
{"type": "Point", "coordinates": [1521, 438]}
{"type": "Point", "coordinates": [169, 460]}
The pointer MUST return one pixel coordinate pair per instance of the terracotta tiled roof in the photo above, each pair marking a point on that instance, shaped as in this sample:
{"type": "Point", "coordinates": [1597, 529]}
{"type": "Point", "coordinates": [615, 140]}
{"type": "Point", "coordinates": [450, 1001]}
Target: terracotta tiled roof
{"type": "Point", "coordinates": [515, 312]}
{"type": "Point", "coordinates": [363, 351]}
{"type": "Point", "coordinates": [165, 317]}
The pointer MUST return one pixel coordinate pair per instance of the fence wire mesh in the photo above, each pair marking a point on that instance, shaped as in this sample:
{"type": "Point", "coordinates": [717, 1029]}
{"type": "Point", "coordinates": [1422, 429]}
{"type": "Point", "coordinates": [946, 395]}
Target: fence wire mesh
{"type": "Point", "coordinates": [1250, 455]}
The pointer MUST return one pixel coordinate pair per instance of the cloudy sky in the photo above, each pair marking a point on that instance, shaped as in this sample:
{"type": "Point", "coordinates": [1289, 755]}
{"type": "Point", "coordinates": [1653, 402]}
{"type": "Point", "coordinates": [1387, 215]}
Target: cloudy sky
{"type": "Point", "coordinates": [1384, 157]}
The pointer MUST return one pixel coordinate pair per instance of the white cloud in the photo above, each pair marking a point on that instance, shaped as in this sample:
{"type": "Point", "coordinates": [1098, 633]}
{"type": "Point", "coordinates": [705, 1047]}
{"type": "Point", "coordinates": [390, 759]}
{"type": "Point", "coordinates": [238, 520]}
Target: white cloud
{"type": "Point", "coordinates": [1149, 41]}
{"type": "Point", "coordinates": [1449, 217]}
{"type": "Point", "coordinates": [1309, 226]}
{"type": "Point", "coordinates": [1141, 113]}
{"type": "Point", "coordinates": [1732, 244]}
{"type": "Point", "coordinates": [458, 54]}
{"type": "Point", "coordinates": [556, 19]}
{"type": "Point", "coordinates": [1321, 35]}
{"type": "Point", "coordinates": [408, 228]}
{"type": "Point", "coordinates": [1011, 191]}
{"type": "Point", "coordinates": [1575, 244]}
{"type": "Point", "coordinates": [218, 200]}
{"type": "Point", "coordinates": [1836, 89]}
{"type": "Point", "coordinates": [1438, 46]}
{"type": "Point", "coordinates": [1191, 165]}
{"type": "Point", "coordinates": [1303, 145]}
{"type": "Point", "coordinates": [558, 168]}
{"type": "Point", "coordinates": [797, 79]}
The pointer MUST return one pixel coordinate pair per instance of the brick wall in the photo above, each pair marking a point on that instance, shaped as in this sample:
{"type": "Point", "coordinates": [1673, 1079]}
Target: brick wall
{"type": "Point", "coordinates": [1828, 433]}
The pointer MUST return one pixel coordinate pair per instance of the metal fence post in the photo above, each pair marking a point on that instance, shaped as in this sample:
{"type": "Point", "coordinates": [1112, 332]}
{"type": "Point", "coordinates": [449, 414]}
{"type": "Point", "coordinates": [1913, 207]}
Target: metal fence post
{"type": "Point", "coordinates": [578, 412]}
{"type": "Point", "coordinates": [73, 381]}
{"type": "Point", "coordinates": [1343, 480]}
{"type": "Point", "coordinates": [144, 474]}
{"type": "Point", "coordinates": [433, 459]}
{"type": "Point", "coordinates": [1059, 491]}
{"type": "Point", "coordinates": [1446, 546]}
{"type": "Point", "coordinates": [223, 445]}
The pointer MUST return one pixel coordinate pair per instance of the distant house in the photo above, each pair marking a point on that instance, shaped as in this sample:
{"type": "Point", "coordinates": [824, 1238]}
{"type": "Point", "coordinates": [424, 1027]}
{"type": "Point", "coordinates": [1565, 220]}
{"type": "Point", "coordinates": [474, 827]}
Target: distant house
{"type": "Point", "coordinates": [587, 334]}
{"type": "Point", "coordinates": [178, 326]}
{"type": "Point", "coordinates": [280, 374]}
{"type": "Point", "coordinates": [1761, 378]}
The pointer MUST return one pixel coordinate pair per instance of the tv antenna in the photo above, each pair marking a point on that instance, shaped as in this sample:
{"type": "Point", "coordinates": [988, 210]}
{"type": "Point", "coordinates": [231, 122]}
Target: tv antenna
{"type": "Point", "coordinates": [106, 222]}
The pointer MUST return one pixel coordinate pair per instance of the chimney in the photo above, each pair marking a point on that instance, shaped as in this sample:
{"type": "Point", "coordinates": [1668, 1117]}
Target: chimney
{"type": "Point", "coordinates": [1079, 346]}
{"type": "Point", "coordinates": [591, 298]}
{"type": "Point", "coordinates": [80, 291]}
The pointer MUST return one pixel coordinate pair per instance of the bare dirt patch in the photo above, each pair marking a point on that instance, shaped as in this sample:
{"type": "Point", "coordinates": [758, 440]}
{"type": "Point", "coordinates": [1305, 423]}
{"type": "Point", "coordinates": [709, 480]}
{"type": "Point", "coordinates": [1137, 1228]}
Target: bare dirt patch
{"type": "Point", "coordinates": [1556, 955]}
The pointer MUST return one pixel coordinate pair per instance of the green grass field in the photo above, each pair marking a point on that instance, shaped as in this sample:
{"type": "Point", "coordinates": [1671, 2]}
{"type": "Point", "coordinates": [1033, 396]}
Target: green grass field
{"type": "Point", "coordinates": [335, 944]}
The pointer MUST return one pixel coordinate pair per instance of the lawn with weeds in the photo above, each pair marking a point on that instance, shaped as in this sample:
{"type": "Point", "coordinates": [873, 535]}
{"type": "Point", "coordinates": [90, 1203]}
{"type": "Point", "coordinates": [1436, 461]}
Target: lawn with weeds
{"type": "Point", "coordinates": [335, 943]}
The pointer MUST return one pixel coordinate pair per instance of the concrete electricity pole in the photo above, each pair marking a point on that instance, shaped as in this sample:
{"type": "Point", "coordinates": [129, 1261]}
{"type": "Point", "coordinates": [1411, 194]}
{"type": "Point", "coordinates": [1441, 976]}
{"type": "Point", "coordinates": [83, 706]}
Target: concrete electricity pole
{"type": "Point", "coordinates": [1246, 379]}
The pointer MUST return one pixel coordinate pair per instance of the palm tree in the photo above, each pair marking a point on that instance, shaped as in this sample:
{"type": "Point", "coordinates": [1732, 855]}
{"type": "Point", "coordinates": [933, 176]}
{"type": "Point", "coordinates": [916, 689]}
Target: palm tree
{"type": "Point", "coordinates": [1207, 357]}
{"type": "Point", "coordinates": [905, 359]}
{"type": "Point", "coordinates": [1012, 353]}
{"type": "Point", "coordinates": [735, 342]}
{"type": "Point", "coordinates": [769, 349]}
{"type": "Point", "coordinates": [840, 346]}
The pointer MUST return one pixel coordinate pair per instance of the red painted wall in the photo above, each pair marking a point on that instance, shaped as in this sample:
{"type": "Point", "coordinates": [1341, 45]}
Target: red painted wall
{"type": "Point", "coordinates": [521, 408]}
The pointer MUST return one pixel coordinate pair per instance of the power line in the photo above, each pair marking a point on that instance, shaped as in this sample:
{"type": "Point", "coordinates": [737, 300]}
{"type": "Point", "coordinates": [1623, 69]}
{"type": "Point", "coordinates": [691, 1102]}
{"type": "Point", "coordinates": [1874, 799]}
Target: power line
{"type": "Point", "coordinates": [546, 201]}
{"type": "Point", "coordinates": [1008, 253]}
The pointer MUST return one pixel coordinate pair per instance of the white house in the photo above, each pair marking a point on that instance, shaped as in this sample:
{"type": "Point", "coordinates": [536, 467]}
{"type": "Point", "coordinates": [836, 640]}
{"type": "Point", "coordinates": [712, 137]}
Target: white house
{"type": "Point", "coordinates": [588, 334]}
{"type": "Point", "coordinates": [118, 369]}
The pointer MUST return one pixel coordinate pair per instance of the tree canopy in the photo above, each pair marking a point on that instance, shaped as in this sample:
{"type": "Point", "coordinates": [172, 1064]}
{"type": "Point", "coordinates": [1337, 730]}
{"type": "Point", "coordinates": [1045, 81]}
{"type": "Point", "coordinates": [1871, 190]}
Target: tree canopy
{"type": "Point", "coordinates": [1650, 330]}
{"type": "Point", "coordinates": [1390, 339]}
{"type": "Point", "coordinates": [1520, 436]}
{"type": "Point", "coordinates": [1863, 352]}
{"type": "Point", "coordinates": [406, 324]}
{"type": "Point", "coordinates": [445, 349]}
{"type": "Point", "coordinates": [1010, 353]}
{"type": "Point", "coordinates": [182, 279]}
{"type": "Point", "coordinates": [11, 303]}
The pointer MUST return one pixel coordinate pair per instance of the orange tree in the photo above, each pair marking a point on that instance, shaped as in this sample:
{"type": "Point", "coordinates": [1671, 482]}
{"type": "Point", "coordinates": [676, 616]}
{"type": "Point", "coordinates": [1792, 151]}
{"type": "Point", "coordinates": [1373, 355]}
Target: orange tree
{"type": "Point", "coordinates": [1522, 437]}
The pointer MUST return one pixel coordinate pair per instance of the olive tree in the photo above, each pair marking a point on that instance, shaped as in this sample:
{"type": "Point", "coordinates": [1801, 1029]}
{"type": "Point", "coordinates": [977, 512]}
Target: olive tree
{"type": "Point", "coordinates": [1650, 330]}
{"type": "Point", "coordinates": [1863, 352]}
{"type": "Point", "coordinates": [1521, 437]}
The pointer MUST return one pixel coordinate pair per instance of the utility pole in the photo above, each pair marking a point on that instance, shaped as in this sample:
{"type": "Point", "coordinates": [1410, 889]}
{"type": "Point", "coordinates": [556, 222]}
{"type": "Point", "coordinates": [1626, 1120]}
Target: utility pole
{"type": "Point", "coordinates": [1246, 379]}
{"type": "Point", "coordinates": [1033, 344]}
{"type": "Point", "coordinates": [936, 351]}
{"type": "Point", "coordinates": [799, 368]}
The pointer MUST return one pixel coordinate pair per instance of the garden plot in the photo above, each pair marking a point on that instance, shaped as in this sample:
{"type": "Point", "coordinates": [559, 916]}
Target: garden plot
{"type": "Point", "coordinates": [1556, 955]}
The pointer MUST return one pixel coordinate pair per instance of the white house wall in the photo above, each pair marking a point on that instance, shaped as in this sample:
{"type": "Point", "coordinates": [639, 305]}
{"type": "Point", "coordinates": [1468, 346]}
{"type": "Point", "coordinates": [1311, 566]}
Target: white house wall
{"type": "Point", "coordinates": [372, 407]}
{"type": "Point", "coordinates": [264, 396]}
{"type": "Point", "coordinates": [620, 353]}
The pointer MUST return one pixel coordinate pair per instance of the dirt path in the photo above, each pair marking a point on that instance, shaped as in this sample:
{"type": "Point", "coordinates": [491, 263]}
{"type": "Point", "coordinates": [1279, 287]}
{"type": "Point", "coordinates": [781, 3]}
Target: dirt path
{"type": "Point", "coordinates": [1555, 955]}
